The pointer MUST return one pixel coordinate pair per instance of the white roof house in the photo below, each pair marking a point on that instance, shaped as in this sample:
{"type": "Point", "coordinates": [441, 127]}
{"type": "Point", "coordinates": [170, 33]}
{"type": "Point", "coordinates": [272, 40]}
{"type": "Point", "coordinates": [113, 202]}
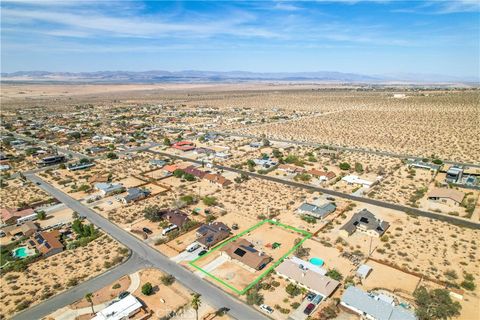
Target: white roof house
{"type": "Point", "coordinates": [121, 309]}
{"type": "Point", "coordinates": [373, 306]}
{"type": "Point", "coordinates": [353, 179]}
{"type": "Point", "coordinates": [308, 278]}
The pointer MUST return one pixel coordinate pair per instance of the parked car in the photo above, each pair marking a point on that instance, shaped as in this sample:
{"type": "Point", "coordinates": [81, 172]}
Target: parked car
{"type": "Point", "coordinates": [38, 183]}
{"type": "Point", "coordinates": [201, 253]}
{"type": "Point", "coordinates": [192, 247]}
{"type": "Point", "coordinates": [266, 309]}
{"type": "Point", "coordinates": [147, 231]}
{"type": "Point", "coordinates": [330, 198]}
{"type": "Point", "coordinates": [309, 309]}
{"type": "Point", "coordinates": [310, 296]}
{"type": "Point", "coordinates": [123, 294]}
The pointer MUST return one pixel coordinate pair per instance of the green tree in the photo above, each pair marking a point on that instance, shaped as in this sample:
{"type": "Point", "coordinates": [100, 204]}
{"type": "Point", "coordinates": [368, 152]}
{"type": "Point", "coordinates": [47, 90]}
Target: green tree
{"type": "Point", "coordinates": [189, 177]}
{"type": "Point", "coordinates": [196, 302]}
{"type": "Point", "coordinates": [178, 173]}
{"type": "Point", "coordinates": [147, 289]}
{"type": "Point", "coordinates": [84, 160]}
{"type": "Point", "coordinates": [89, 299]}
{"type": "Point", "coordinates": [41, 215]}
{"type": "Point", "coordinates": [435, 304]}
{"type": "Point", "coordinates": [75, 135]}
{"type": "Point", "coordinates": [344, 166]}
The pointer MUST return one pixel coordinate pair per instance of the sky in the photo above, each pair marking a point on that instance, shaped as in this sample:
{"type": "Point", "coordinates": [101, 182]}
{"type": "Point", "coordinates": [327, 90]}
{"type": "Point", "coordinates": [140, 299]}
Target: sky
{"type": "Point", "coordinates": [367, 37]}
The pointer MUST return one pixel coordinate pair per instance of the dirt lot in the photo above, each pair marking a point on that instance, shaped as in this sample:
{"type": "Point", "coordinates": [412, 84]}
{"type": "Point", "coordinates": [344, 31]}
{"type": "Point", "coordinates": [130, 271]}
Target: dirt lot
{"type": "Point", "coordinates": [15, 194]}
{"type": "Point", "coordinates": [164, 298]}
{"type": "Point", "coordinates": [52, 275]}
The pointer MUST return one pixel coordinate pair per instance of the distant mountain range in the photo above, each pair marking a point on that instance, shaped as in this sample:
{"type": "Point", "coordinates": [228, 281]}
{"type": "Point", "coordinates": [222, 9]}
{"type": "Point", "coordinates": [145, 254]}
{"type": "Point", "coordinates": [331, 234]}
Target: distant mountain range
{"type": "Point", "coordinates": [229, 76]}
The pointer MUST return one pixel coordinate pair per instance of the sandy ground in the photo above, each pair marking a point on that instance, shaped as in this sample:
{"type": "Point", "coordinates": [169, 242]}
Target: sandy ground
{"type": "Point", "coordinates": [16, 194]}
{"type": "Point", "coordinates": [57, 273]}
{"type": "Point", "coordinates": [165, 298]}
{"type": "Point", "coordinates": [105, 294]}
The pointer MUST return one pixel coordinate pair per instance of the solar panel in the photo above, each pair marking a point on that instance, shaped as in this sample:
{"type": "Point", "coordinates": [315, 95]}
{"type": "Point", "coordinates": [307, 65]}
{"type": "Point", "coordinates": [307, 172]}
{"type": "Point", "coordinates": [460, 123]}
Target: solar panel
{"type": "Point", "coordinates": [47, 245]}
{"type": "Point", "coordinates": [249, 249]}
{"type": "Point", "coordinates": [239, 252]}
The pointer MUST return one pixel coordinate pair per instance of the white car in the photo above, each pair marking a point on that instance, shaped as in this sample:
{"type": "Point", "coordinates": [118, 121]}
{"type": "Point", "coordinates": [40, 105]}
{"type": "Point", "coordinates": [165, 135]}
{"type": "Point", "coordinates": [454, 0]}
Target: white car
{"type": "Point", "coordinates": [266, 309]}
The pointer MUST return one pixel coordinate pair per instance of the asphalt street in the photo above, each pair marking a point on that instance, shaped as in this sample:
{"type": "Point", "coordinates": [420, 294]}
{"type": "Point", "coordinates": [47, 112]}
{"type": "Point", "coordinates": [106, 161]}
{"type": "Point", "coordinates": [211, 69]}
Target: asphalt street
{"type": "Point", "coordinates": [211, 294]}
{"type": "Point", "coordinates": [393, 206]}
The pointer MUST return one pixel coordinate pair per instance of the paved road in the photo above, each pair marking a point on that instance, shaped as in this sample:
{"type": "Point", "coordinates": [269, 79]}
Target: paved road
{"type": "Point", "coordinates": [428, 214]}
{"type": "Point", "coordinates": [361, 150]}
{"type": "Point", "coordinates": [341, 148]}
{"type": "Point", "coordinates": [133, 264]}
{"type": "Point", "coordinates": [210, 293]}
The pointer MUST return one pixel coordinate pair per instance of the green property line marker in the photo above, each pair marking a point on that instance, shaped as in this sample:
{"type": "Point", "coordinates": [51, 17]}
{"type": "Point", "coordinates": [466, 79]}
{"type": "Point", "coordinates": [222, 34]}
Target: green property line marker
{"type": "Point", "coordinates": [306, 234]}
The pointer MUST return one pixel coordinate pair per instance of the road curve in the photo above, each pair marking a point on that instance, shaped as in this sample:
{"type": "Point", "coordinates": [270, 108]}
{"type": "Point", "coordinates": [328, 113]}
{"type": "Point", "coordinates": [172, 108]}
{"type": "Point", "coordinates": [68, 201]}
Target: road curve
{"type": "Point", "coordinates": [428, 214]}
{"type": "Point", "coordinates": [134, 263]}
{"type": "Point", "coordinates": [211, 294]}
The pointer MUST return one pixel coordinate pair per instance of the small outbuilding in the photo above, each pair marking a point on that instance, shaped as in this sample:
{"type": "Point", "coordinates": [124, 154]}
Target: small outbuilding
{"type": "Point", "coordinates": [363, 271]}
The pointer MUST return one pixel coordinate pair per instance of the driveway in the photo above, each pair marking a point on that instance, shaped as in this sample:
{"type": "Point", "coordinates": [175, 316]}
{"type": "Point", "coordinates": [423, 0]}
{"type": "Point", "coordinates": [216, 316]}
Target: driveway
{"type": "Point", "coordinates": [187, 256]}
{"type": "Point", "coordinates": [212, 265]}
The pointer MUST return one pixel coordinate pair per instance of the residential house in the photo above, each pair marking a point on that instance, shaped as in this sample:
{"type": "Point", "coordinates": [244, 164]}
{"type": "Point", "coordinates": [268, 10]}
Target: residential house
{"type": "Point", "coordinates": [26, 229]}
{"type": "Point", "coordinates": [322, 175]}
{"type": "Point", "coordinates": [135, 194]}
{"type": "Point", "coordinates": [51, 160]}
{"type": "Point", "coordinates": [202, 150]}
{"type": "Point", "coordinates": [125, 308]}
{"type": "Point", "coordinates": [243, 252]}
{"type": "Point", "coordinates": [315, 211]}
{"type": "Point", "coordinates": [11, 216]}
{"type": "Point", "coordinates": [80, 166]}
{"type": "Point", "coordinates": [107, 188]}
{"type": "Point", "coordinates": [454, 174]}
{"type": "Point", "coordinates": [265, 163]}
{"type": "Point", "coordinates": [353, 179]}
{"type": "Point", "coordinates": [365, 222]}
{"type": "Point", "coordinates": [300, 274]}
{"type": "Point", "coordinates": [412, 163]}
{"type": "Point", "coordinates": [195, 172]}
{"type": "Point", "coordinates": [446, 196]}
{"type": "Point", "coordinates": [184, 145]}
{"type": "Point", "coordinates": [290, 169]}
{"type": "Point", "coordinates": [175, 217]}
{"type": "Point", "coordinates": [208, 235]}
{"type": "Point", "coordinates": [217, 179]}
{"type": "Point", "coordinates": [47, 243]}
{"type": "Point", "coordinates": [373, 307]}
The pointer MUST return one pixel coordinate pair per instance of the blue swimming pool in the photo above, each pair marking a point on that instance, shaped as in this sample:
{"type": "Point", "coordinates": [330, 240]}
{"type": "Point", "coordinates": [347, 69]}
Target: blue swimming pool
{"type": "Point", "coordinates": [317, 262]}
{"type": "Point", "coordinates": [21, 252]}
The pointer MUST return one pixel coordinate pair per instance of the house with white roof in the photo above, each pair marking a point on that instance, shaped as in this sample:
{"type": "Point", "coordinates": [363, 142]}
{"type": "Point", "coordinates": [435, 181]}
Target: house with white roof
{"type": "Point", "coordinates": [122, 309]}
{"type": "Point", "coordinates": [303, 275]}
{"type": "Point", "coordinates": [374, 307]}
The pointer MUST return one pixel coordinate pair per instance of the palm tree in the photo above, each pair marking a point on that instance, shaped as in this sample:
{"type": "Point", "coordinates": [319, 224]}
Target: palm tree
{"type": "Point", "coordinates": [195, 303]}
{"type": "Point", "coordinates": [89, 297]}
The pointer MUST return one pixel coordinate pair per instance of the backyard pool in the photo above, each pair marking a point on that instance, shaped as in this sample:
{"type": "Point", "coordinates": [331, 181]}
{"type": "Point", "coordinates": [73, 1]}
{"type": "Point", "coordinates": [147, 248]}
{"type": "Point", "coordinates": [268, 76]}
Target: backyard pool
{"type": "Point", "coordinates": [22, 252]}
{"type": "Point", "coordinates": [316, 262]}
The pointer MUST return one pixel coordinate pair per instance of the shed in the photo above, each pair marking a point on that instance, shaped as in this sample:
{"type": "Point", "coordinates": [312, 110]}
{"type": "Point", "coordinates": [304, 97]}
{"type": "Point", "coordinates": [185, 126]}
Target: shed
{"type": "Point", "coordinates": [363, 271]}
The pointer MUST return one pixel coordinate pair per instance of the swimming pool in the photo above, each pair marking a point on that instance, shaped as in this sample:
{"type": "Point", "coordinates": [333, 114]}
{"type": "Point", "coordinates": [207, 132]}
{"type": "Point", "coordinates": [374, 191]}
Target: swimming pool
{"type": "Point", "coordinates": [22, 252]}
{"type": "Point", "coordinates": [316, 261]}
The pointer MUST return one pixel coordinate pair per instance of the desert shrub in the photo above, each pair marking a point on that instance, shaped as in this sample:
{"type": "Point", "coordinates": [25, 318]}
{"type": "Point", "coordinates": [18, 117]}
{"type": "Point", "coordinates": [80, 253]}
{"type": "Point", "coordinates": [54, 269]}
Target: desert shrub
{"type": "Point", "coordinates": [147, 289]}
{"type": "Point", "coordinates": [167, 279]}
